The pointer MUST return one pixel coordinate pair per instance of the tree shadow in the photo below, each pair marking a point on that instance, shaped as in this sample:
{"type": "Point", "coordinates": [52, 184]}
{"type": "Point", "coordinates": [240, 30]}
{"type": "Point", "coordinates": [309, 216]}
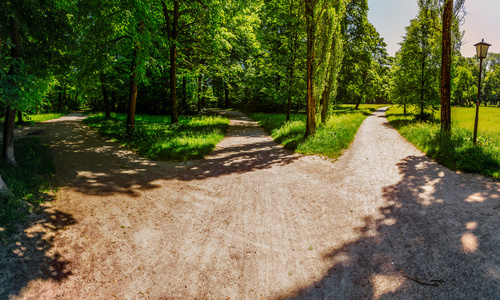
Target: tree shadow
{"type": "Point", "coordinates": [99, 166]}
{"type": "Point", "coordinates": [437, 238]}
{"type": "Point", "coordinates": [29, 255]}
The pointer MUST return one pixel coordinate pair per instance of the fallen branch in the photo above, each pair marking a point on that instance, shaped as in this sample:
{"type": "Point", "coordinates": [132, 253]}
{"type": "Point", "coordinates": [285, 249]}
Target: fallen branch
{"type": "Point", "coordinates": [434, 282]}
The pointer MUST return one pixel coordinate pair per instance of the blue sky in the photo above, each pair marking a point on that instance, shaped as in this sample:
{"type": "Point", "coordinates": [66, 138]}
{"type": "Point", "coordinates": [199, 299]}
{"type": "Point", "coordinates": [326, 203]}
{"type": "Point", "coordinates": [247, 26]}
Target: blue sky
{"type": "Point", "coordinates": [390, 17]}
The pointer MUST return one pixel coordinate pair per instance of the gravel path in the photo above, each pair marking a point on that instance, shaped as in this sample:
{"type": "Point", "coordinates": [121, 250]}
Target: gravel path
{"type": "Point", "coordinates": [254, 221]}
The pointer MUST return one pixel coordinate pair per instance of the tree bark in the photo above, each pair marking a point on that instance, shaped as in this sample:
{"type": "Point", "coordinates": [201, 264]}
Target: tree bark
{"type": "Point", "coordinates": [107, 110]}
{"type": "Point", "coordinates": [226, 96]}
{"type": "Point", "coordinates": [310, 100]}
{"type": "Point", "coordinates": [172, 31]}
{"type": "Point", "coordinates": [10, 115]}
{"type": "Point", "coordinates": [8, 136]}
{"type": "Point", "coordinates": [199, 94]}
{"type": "Point", "coordinates": [184, 94]}
{"type": "Point", "coordinates": [446, 67]}
{"type": "Point", "coordinates": [132, 95]}
{"type": "Point", "coordinates": [19, 117]}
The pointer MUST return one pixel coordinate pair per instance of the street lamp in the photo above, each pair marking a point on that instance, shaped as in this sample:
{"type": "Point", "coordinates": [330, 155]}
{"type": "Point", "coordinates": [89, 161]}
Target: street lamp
{"type": "Point", "coordinates": [482, 51]}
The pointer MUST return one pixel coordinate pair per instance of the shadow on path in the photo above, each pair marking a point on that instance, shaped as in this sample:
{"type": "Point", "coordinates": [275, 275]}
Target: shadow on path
{"type": "Point", "coordinates": [438, 239]}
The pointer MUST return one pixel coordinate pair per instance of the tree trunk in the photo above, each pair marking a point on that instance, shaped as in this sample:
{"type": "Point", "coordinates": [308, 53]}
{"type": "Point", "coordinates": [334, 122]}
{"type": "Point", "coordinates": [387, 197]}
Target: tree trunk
{"type": "Point", "coordinates": [226, 96]}
{"type": "Point", "coordinates": [173, 91]}
{"type": "Point", "coordinates": [132, 96]}
{"type": "Point", "coordinates": [10, 115]}
{"type": "Point", "coordinates": [172, 31]}
{"type": "Point", "coordinates": [199, 94]}
{"type": "Point", "coordinates": [446, 67]}
{"type": "Point", "coordinates": [404, 106]}
{"type": "Point", "coordinates": [184, 94]}
{"type": "Point", "coordinates": [8, 136]}
{"type": "Point", "coordinates": [310, 100]}
{"type": "Point", "coordinates": [19, 117]}
{"type": "Point", "coordinates": [107, 111]}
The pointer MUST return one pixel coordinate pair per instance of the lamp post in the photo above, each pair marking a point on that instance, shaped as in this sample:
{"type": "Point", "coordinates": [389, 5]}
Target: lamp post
{"type": "Point", "coordinates": [482, 51]}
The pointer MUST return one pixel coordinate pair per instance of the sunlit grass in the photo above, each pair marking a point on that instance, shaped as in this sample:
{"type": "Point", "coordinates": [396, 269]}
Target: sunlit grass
{"type": "Point", "coordinates": [192, 138]}
{"type": "Point", "coordinates": [456, 151]}
{"type": "Point", "coordinates": [330, 138]}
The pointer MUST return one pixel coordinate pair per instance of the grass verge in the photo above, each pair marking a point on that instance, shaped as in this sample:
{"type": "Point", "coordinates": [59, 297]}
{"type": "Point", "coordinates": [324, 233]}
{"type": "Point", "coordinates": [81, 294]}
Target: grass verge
{"type": "Point", "coordinates": [29, 182]}
{"type": "Point", "coordinates": [330, 139]}
{"type": "Point", "coordinates": [192, 138]}
{"type": "Point", "coordinates": [455, 151]}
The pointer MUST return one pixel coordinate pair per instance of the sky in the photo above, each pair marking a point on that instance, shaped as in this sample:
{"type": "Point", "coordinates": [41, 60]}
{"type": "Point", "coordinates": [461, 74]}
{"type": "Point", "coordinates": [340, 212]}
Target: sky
{"type": "Point", "coordinates": [390, 17]}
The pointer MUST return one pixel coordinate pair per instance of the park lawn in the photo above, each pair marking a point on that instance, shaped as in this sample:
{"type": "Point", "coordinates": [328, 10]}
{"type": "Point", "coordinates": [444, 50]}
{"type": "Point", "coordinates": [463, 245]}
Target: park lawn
{"type": "Point", "coordinates": [330, 139]}
{"type": "Point", "coordinates": [193, 137]}
{"type": "Point", "coordinates": [33, 119]}
{"type": "Point", "coordinates": [456, 151]}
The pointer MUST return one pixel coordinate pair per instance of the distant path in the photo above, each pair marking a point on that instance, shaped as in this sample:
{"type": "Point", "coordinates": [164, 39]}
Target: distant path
{"type": "Point", "coordinates": [255, 221]}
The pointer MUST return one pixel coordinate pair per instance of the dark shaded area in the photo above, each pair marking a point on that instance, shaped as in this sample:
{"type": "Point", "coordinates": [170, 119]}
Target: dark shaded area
{"type": "Point", "coordinates": [433, 242]}
{"type": "Point", "coordinates": [28, 255]}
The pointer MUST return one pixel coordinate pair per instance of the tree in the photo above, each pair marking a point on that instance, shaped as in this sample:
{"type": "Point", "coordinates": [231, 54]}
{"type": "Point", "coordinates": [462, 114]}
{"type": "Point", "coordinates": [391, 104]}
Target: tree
{"type": "Point", "coordinates": [364, 56]}
{"type": "Point", "coordinates": [446, 61]}
{"type": "Point", "coordinates": [418, 60]}
{"type": "Point", "coordinates": [322, 23]}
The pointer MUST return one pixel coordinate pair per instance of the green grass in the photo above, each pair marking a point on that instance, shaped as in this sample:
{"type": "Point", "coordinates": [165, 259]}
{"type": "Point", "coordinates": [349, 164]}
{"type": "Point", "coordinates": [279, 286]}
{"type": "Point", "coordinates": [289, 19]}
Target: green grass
{"type": "Point", "coordinates": [36, 118]}
{"type": "Point", "coordinates": [456, 151]}
{"type": "Point", "coordinates": [29, 182]}
{"type": "Point", "coordinates": [330, 138]}
{"type": "Point", "coordinates": [192, 138]}
{"type": "Point", "coordinates": [33, 119]}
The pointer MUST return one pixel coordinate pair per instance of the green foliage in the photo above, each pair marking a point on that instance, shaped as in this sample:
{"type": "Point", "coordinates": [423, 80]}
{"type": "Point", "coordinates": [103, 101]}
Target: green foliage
{"type": "Point", "coordinates": [154, 137]}
{"type": "Point", "coordinates": [455, 151]}
{"type": "Point", "coordinates": [29, 183]}
{"type": "Point", "coordinates": [331, 138]}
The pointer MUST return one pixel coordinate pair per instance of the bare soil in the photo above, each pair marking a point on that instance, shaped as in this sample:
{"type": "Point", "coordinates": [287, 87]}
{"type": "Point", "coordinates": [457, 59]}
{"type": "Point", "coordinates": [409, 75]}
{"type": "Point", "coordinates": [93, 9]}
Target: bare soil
{"type": "Point", "coordinates": [254, 221]}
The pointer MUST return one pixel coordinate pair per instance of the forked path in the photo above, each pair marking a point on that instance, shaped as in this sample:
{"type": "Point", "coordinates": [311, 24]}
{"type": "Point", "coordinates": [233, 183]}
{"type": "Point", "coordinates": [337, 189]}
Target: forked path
{"type": "Point", "coordinates": [255, 221]}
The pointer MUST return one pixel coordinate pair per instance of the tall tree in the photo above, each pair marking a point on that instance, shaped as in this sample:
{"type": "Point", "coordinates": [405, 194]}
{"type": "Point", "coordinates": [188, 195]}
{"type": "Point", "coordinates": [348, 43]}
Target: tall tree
{"type": "Point", "coordinates": [322, 25]}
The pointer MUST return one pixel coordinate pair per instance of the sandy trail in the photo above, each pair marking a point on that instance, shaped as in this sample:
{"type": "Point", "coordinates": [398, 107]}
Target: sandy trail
{"type": "Point", "coordinates": [255, 221]}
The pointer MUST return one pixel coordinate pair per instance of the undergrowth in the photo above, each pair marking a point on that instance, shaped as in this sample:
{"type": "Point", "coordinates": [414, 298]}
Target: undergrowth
{"type": "Point", "coordinates": [154, 137]}
{"type": "Point", "coordinates": [29, 182]}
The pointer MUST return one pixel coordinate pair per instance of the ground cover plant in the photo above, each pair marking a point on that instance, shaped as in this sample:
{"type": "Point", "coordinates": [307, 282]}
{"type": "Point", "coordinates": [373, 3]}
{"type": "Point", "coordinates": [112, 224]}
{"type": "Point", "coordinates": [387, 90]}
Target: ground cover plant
{"type": "Point", "coordinates": [456, 151]}
{"type": "Point", "coordinates": [155, 137]}
{"type": "Point", "coordinates": [331, 138]}
{"type": "Point", "coordinates": [29, 182]}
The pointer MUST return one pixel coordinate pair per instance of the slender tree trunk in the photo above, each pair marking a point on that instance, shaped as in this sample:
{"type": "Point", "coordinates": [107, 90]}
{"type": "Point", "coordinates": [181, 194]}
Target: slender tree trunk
{"type": "Point", "coordinates": [404, 106]}
{"type": "Point", "coordinates": [311, 40]}
{"type": "Point", "coordinates": [132, 95]}
{"type": "Point", "coordinates": [446, 67]}
{"type": "Point", "coordinates": [10, 115]}
{"type": "Point", "coordinates": [184, 94]}
{"type": "Point", "coordinates": [199, 94]}
{"type": "Point", "coordinates": [19, 117]}
{"type": "Point", "coordinates": [8, 136]}
{"type": "Point", "coordinates": [105, 97]}
{"type": "Point", "coordinates": [172, 31]}
{"type": "Point", "coordinates": [173, 80]}
{"type": "Point", "coordinates": [226, 96]}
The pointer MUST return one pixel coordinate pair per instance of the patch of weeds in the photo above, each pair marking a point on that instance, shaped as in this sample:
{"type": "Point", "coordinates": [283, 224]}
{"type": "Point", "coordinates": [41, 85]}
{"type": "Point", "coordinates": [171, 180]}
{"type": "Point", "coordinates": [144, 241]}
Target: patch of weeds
{"type": "Point", "coordinates": [29, 182]}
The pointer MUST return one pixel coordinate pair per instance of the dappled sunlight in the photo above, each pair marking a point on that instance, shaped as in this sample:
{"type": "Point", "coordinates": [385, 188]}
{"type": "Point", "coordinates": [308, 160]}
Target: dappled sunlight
{"type": "Point", "coordinates": [470, 242]}
{"type": "Point", "coordinates": [476, 197]}
{"type": "Point", "coordinates": [386, 284]}
{"type": "Point", "coordinates": [428, 190]}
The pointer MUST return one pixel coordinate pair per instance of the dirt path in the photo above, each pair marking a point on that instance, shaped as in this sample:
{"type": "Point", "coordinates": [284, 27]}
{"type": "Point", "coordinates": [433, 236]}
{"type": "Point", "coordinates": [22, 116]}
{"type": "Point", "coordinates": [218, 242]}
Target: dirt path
{"type": "Point", "coordinates": [254, 221]}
